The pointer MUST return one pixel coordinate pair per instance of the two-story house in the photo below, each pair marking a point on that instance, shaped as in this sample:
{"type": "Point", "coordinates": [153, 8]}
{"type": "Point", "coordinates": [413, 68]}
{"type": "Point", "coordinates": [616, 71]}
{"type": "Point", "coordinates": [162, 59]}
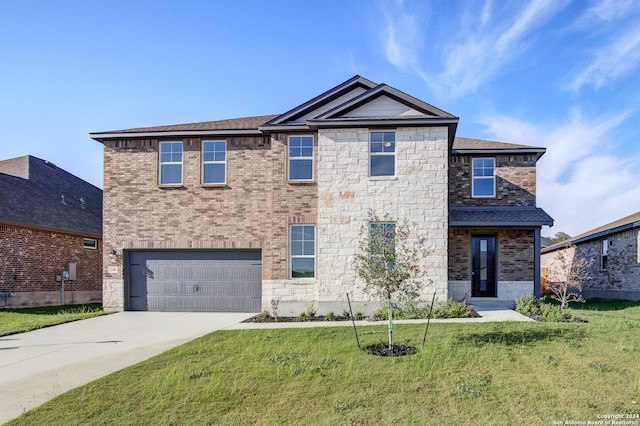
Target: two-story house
{"type": "Point", "coordinates": [234, 215]}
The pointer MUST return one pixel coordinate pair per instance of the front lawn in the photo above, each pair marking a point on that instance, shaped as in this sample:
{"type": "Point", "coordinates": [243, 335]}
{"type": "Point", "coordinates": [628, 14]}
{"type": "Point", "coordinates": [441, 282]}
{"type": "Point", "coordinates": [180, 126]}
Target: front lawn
{"type": "Point", "coordinates": [14, 321]}
{"type": "Point", "coordinates": [468, 374]}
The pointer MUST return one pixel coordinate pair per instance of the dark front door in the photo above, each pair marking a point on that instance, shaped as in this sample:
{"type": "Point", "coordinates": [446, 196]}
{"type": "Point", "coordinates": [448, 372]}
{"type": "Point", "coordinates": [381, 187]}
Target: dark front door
{"type": "Point", "coordinates": [483, 266]}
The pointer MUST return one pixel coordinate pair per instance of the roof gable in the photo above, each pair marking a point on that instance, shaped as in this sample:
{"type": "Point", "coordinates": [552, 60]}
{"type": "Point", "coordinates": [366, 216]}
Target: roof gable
{"type": "Point", "coordinates": [394, 101]}
{"type": "Point", "coordinates": [340, 93]}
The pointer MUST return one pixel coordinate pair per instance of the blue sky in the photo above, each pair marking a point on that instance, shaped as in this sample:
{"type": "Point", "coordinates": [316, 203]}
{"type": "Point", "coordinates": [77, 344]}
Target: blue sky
{"type": "Point", "coordinates": [557, 73]}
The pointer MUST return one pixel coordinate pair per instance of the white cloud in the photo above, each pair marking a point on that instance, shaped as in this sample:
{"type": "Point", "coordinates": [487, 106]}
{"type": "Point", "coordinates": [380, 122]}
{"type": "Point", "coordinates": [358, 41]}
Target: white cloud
{"type": "Point", "coordinates": [476, 56]}
{"type": "Point", "coordinates": [401, 36]}
{"type": "Point", "coordinates": [611, 61]}
{"type": "Point", "coordinates": [581, 183]}
{"type": "Point", "coordinates": [475, 48]}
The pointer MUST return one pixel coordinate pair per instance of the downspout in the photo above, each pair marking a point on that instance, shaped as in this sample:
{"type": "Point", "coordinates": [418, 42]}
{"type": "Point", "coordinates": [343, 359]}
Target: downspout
{"type": "Point", "coordinates": [536, 263]}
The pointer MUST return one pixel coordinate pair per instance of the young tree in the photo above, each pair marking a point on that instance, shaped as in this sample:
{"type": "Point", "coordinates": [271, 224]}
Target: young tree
{"type": "Point", "coordinates": [568, 274]}
{"type": "Point", "coordinates": [388, 261]}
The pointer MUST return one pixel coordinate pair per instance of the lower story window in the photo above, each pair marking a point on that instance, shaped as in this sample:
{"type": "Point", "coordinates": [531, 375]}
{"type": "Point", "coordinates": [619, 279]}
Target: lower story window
{"type": "Point", "coordinates": [302, 246]}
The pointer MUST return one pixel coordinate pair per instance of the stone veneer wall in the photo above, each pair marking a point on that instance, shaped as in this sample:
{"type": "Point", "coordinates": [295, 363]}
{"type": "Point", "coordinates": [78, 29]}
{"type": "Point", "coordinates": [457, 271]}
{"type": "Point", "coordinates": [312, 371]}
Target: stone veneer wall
{"type": "Point", "coordinates": [253, 210]}
{"type": "Point", "coordinates": [418, 193]}
{"type": "Point", "coordinates": [515, 270]}
{"type": "Point", "coordinates": [35, 257]}
{"type": "Point", "coordinates": [515, 181]}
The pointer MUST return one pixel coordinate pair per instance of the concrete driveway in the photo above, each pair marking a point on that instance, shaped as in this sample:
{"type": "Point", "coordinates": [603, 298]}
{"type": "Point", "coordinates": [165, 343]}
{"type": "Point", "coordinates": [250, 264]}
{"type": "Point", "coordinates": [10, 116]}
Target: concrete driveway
{"type": "Point", "coordinates": [39, 365]}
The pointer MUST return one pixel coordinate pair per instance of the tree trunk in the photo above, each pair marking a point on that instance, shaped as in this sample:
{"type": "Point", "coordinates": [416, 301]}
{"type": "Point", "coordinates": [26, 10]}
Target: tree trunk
{"type": "Point", "coordinates": [390, 322]}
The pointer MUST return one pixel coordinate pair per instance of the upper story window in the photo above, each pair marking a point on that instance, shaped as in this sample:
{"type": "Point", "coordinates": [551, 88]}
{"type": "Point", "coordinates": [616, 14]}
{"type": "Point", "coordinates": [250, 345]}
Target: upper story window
{"type": "Point", "coordinates": [382, 154]}
{"type": "Point", "coordinates": [484, 177]}
{"type": "Point", "coordinates": [90, 243]}
{"type": "Point", "coordinates": [302, 246]}
{"type": "Point", "coordinates": [214, 162]}
{"type": "Point", "coordinates": [170, 170]}
{"type": "Point", "coordinates": [300, 158]}
{"type": "Point", "coordinates": [604, 254]}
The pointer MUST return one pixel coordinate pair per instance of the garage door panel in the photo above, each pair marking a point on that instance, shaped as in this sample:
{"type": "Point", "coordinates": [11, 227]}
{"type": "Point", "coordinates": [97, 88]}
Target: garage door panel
{"type": "Point", "coordinates": [195, 281]}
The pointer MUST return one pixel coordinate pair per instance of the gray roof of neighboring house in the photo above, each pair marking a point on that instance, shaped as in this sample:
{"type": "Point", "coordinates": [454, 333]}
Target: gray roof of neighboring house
{"type": "Point", "coordinates": [620, 225]}
{"type": "Point", "coordinates": [498, 216]}
{"type": "Point", "coordinates": [31, 195]}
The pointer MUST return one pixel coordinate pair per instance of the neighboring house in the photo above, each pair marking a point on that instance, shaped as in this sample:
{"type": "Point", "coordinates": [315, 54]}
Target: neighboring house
{"type": "Point", "coordinates": [48, 218]}
{"type": "Point", "coordinates": [614, 253]}
{"type": "Point", "coordinates": [239, 214]}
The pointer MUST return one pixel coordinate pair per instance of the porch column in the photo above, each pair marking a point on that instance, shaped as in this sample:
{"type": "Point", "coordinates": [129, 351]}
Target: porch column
{"type": "Point", "coordinates": [536, 263]}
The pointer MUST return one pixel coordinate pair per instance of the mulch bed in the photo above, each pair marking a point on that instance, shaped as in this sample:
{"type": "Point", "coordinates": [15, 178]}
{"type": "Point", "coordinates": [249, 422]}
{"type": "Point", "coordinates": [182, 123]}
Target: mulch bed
{"type": "Point", "coordinates": [316, 318]}
{"type": "Point", "coordinates": [382, 349]}
{"type": "Point", "coordinates": [540, 318]}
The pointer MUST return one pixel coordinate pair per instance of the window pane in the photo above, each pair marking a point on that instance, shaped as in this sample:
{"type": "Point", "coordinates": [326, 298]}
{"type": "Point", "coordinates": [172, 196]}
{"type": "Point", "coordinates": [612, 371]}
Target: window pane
{"type": "Point", "coordinates": [483, 187]}
{"type": "Point", "coordinates": [213, 173]}
{"type": "Point", "coordinates": [296, 248]}
{"type": "Point", "coordinates": [296, 232]}
{"type": "Point", "coordinates": [389, 146]}
{"type": "Point", "coordinates": [309, 248]}
{"type": "Point", "coordinates": [376, 146]}
{"type": "Point", "coordinates": [309, 233]}
{"type": "Point", "coordinates": [376, 137]}
{"type": "Point", "coordinates": [383, 165]}
{"type": "Point", "coordinates": [300, 169]}
{"type": "Point", "coordinates": [302, 268]}
{"type": "Point", "coordinates": [170, 174]}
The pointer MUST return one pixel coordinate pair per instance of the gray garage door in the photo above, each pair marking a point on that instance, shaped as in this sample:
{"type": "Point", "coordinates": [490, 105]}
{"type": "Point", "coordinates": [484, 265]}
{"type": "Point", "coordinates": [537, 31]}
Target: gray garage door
{"type": "Point", "coordinates": [203, 281]}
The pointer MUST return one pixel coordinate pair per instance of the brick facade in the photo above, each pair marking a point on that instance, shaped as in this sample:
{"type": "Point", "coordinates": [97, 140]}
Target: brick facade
{"type": "Point", "coordinates": [515, 187]}
{"type": "Point", "coordinates": [31, 259]}
{"type": "Point", "coordinates": [515, 181]}
{"type": "Point", "coordinates": [252, 210]}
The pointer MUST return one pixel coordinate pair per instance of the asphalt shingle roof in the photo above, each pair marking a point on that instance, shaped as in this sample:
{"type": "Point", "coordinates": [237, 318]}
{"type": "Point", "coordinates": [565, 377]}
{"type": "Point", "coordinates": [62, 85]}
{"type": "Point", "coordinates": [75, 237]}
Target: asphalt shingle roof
{"type": "Point", "coordinates": [499, 216]}
{"type": "Point", "coordinates": [469, 143]}
{"type": "Point", "coordinates": [243, 123]}
{"type": "Point", "coordinates": [38, 200]}
{"type": "Point", "coordinates": [619, 225]}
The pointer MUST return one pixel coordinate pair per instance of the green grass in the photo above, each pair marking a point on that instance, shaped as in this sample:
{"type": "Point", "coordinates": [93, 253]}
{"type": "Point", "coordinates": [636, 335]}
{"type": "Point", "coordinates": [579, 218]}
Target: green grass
{"type": "Point", "coordinates": [476, 373]}
{"type": "Point", "coordinates": [14, 321]}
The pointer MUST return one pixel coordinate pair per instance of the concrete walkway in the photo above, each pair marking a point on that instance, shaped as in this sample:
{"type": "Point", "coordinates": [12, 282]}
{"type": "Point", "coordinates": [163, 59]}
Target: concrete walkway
{"type": "Point", "coordinates": [39, 365]}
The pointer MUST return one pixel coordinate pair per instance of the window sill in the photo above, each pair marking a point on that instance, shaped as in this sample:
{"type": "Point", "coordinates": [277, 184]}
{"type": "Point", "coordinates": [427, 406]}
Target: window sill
{"type": "Point", "coordinates": [305, 281]}
{"type": "Point", "coordinates": [172, 186]}
{"type": "Point", "coordinates": [214, 185]}
{"type": "Point", "coordinates": [301, 182]}
{"type": "Point", "coordinates": [383, 177]}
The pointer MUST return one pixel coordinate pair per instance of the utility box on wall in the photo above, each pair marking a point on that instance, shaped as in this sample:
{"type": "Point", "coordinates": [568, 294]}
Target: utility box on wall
{"type": "Point", "coordinates": [71, 269]}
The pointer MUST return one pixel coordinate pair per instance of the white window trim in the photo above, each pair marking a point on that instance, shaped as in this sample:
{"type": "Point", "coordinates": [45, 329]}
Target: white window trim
{"type": "Point", "coordinates": [226, 153]}
{"type": "Point", "coordinates": [384, 154]}
{"type": "Point", "coordinates": [289, 159]}
{"type": "Point", "coordinates": [315, 251]}
{"type": "Point", "coordinates": [160, 164]}
{"type": "Point", "coordinates": [95, 242]}
{"type": "Point", "coordinates": [473, 178]}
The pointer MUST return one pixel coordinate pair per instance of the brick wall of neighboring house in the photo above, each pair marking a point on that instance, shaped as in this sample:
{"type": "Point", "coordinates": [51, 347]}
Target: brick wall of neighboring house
{"type": "Point", "coordinates": [515, 270]}
{"type": "Point", "coordinates": [253, 210]}
{"type": "Point", "coordinates": [515, 181]}
{"type": "Point", "coordinates": [34, 258]}
{"type": "Point", "coordinates": [621, 279]}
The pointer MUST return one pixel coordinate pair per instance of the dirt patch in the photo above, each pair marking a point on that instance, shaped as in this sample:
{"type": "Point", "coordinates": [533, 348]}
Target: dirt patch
{"type": "Point", "coordinates": [382, 349]}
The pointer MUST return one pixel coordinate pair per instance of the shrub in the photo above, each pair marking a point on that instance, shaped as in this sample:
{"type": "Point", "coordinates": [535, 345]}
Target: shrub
{"type": "Point", "coordinates": [264, 315]}
{"type": "Point", "coordinates": [303, 316]}
{"type": "Point", "coordinates": [330, 316]}
{"type": "Point", "coordinates": [553, 313]}
{"type": "Point", "coordinates": [358, 316]}
{"type": "Point", "coordinates": [452, 309]}
{"type": "Point", "coordinates": [528, 304]}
